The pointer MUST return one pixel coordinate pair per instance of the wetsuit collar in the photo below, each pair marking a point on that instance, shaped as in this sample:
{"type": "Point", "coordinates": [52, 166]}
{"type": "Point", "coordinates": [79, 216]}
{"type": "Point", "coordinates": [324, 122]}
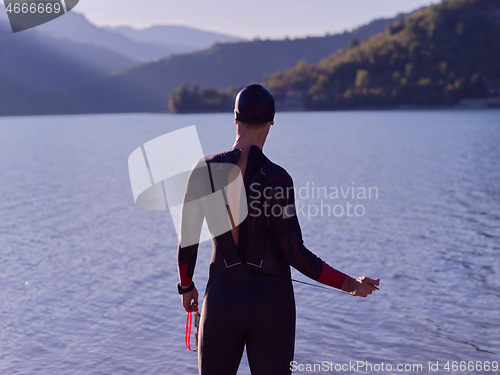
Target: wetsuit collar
{"type": "Point", "coordinates": [256, 159]}
{"type": "Point", "coordinates": [231, 156]}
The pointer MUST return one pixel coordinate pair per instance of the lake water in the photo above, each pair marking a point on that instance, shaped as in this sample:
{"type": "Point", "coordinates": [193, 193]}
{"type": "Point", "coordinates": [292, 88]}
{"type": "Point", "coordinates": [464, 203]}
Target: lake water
{"type": "Point", "coordinates": [88, 280]}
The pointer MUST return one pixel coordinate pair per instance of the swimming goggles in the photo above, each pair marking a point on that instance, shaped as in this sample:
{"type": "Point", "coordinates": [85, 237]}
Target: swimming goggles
{"type": "Point", "coordinates": [189, 323]}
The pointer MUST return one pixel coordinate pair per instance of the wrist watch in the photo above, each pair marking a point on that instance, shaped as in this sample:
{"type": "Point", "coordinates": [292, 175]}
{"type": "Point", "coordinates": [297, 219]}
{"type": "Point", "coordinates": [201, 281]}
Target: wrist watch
{"type": "Point", "coordinates": [182, 290]}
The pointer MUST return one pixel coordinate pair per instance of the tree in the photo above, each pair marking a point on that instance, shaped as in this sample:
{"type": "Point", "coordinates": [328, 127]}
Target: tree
{"type": "Point", "coordinates": [353, 43]}
{"type": "Point", "coordinates": [362, 78]}
{"type": "Point", "coordinates": [184, 99]}
{"type": "Point", "coordinates": [187, 99]}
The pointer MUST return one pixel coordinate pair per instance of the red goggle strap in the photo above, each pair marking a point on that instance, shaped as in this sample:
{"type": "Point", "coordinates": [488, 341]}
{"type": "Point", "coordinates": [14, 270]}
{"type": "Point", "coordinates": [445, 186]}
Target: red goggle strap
{"type": "Point", "coordinates": [189, 322]}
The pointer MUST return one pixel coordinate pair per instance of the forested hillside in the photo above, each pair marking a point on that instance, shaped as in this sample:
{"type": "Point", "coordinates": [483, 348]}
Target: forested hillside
{"type": "Point", "coordinates": [148, 87]}
{"type": "Point", "coordinates": [436, 56]}
{"type": "Point", "coordinates": [439, 55]}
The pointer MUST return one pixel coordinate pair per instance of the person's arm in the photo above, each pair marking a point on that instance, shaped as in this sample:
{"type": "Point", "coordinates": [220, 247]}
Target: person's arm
{"type": "Point", "coordinates": [190, 229]}
{"type": "Point", "coordinates": [186, 260]}
{"type": "Point", "coordinates": [360, 286]}
{"type": "Point", "coordinates": [287, 233]}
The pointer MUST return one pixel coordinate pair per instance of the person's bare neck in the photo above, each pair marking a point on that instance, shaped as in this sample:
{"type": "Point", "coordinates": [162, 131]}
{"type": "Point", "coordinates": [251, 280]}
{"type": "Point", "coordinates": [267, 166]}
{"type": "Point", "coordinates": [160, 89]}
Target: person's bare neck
{"type": "Point", "coordinates": [244, 143]}
{"type": "Point", "coordinates": [246, 138]}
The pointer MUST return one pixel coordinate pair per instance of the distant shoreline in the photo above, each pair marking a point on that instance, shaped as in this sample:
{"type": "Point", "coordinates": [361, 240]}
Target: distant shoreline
{"type": "Point", "coordinates": [485, 103]}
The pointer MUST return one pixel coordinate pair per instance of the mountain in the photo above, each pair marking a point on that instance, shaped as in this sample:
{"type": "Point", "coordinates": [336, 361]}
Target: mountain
{"type": "Point", "coordinates": [137, 45]}
{"type": "Point", "coordinates": [74, 27]}
{"type": "Point", "coordinates": [439, 55]}
{"type": "Point", "coordinates": [35, 72]}
{"type": "Point", "coordinates": [17, 98]}
{"type": "Point", "coordinates": [39, 64]}
{"type": "Point", "coordinates": [178, 38]}
{"type": "Point", "coordinates": [36, 60]}
{"type": "Point", "coordinates": [147, 87]}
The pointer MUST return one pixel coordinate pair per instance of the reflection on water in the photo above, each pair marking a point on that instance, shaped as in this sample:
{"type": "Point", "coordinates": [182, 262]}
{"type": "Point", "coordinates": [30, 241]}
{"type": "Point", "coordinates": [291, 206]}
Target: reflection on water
{"type": "Point", "coordinates": [87, 280]}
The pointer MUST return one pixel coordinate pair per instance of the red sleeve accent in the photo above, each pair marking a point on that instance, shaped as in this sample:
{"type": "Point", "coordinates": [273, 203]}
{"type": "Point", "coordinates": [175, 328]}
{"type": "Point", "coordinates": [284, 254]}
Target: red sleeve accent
{"type": "Point", "coordinates": [183, 275]}
{"type": "Point", "coordinates": [330, 276]}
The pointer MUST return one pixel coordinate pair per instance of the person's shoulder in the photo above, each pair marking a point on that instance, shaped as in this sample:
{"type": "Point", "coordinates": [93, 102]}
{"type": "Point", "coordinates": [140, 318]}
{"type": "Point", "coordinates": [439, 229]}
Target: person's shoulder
{"type": "Point", "coordinates": [276, 173]}
{"type": "Point", "coordinates": [274, 168]}
{"type": "Point", "coordinates": [229, 156]}
{"type": "Point", "coordinates": [214, 158]}
{"type": "Point", "coordinates": [211, 158]}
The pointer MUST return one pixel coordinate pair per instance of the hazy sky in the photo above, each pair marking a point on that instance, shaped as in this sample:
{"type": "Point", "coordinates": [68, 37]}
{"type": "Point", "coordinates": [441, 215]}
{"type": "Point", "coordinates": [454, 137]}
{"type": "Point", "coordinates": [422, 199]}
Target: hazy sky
{"type": "Point", "coordinates": [250, 18]}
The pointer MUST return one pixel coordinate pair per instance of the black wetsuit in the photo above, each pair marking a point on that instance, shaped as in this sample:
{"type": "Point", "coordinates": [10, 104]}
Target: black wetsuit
{"type": "Point", "coordinates": [249, 298]}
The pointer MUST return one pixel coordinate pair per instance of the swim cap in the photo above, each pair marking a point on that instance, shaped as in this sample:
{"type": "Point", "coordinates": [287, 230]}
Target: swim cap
{"type": "Point", "coordinates": [254, 105]}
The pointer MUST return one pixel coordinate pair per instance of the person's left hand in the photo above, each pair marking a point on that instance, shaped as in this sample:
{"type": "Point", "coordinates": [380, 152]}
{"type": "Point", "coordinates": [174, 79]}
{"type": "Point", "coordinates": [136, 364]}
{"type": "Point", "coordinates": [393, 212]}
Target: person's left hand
{"type": "Point", "coordinates": [190, 300]}
{"type": "Point", "coordinates": [362, 286]}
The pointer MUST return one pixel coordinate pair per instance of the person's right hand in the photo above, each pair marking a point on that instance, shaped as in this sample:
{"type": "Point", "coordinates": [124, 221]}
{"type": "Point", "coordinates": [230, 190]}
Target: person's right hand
{"type": "Point", "coordinates": [361, 286]}
{"type": "Point", "coordinates": [190, 300]}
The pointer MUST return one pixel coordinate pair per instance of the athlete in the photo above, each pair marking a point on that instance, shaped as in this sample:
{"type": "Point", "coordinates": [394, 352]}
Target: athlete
{"type": "Point", "coordinates": [249, 298]}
